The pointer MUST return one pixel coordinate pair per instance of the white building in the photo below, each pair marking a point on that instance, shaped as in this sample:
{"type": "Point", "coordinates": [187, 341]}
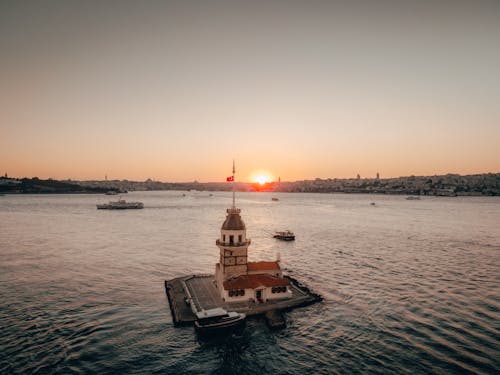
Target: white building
{"type": "Point", "coordinates": [236, 278]}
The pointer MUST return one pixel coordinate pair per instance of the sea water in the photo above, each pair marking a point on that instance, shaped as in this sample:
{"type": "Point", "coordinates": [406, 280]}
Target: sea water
{"type": "Point", "coordinates": [410, 286]}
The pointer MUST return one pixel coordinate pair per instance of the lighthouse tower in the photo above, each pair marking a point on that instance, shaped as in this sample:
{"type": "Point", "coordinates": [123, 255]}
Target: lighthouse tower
{"type": "Point", "coordinates": [236, 278]}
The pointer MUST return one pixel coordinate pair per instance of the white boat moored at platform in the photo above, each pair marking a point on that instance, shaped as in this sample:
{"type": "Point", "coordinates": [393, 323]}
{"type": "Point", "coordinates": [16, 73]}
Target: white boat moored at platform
{"type": "Point", "coordinates": [218, 319]}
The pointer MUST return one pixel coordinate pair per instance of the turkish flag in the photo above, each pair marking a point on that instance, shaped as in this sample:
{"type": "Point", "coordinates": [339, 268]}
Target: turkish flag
{"type": "Point", "coordinates": [230, 178]}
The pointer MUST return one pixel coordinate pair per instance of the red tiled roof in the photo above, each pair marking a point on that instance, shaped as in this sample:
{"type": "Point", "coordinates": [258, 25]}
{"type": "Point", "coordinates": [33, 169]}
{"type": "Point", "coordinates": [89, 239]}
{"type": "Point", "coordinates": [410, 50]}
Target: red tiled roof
{"type": "Point", "coordinates": [263, 266]}
{"type": "Point", "coordinates": [254, 281]}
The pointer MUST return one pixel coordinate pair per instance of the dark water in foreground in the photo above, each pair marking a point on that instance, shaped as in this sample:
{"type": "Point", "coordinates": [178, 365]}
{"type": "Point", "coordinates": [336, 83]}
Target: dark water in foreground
{"type": "Point", "coordinates": [409, 286]}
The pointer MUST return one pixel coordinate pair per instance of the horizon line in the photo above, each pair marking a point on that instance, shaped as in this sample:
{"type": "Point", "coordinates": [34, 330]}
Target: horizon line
{"type": "Point", "coordinates": [253, 182]}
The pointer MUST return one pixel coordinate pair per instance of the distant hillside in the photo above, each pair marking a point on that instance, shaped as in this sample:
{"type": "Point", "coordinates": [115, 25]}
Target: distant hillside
{"type": "Point", "coordinates": [443, 185]}
{"type": "Point", "coordinates": [36, 186]}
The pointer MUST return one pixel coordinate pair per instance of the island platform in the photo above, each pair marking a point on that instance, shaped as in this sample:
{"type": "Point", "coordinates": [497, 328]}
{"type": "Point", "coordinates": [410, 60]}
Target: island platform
{"type": "Point", "coordinates": [201, 290]}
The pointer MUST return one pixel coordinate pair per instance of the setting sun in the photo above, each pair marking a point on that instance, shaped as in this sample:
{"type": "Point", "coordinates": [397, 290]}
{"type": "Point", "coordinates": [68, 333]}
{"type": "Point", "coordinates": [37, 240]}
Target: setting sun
{"type": "Point", "coordinates": [261, 177]}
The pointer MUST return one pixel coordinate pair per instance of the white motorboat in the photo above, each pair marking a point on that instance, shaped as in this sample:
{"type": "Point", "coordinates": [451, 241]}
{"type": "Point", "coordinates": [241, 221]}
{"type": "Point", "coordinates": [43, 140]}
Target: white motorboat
{"type": "Point", "coordinates": [412, 198]}
{"type": "Point", "coordinates": [285, 235]}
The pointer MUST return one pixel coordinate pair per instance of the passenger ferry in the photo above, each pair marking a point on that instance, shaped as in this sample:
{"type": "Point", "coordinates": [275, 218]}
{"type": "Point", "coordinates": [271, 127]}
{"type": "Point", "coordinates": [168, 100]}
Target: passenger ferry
{"type": "Point", "coordinates": [121, 204]}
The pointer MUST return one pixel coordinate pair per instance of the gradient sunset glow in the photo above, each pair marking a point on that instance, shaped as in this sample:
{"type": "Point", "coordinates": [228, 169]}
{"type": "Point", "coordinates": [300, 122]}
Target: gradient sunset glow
{"type": "Point", "coordinates": [175, 90]}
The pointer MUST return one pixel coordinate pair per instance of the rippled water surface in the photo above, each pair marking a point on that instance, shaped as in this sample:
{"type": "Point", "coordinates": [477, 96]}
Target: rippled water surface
{"type": "Point", "coordinates": [409, 286]}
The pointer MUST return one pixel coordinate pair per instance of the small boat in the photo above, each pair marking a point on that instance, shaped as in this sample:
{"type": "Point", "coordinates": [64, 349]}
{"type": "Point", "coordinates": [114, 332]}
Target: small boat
{"type": "Point", "coordinates": [412, 198]}
{"type": "Point", "coordinates": [372, 204]}
{"type": "Point", "coordinates": [274, 199]}
{"type": "Point", "coordinates": [217, 320]}
{"type": "Point", "coordinates": [111, 192]}
{"type": "Point", "coordinates": [121, 204]}
{"type": "Point", "coordinates": [285, 235]}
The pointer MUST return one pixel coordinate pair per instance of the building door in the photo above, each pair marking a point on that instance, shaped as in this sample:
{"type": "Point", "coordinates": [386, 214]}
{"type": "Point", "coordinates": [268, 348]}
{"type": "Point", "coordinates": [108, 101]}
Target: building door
{"type": "Point", "coordinates": [258, 295]}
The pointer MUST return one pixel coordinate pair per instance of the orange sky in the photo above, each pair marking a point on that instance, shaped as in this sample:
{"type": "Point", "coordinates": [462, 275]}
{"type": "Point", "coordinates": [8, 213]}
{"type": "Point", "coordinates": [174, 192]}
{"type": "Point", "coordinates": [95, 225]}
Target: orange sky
{"type": "Point", "coordinates": [173, 91]}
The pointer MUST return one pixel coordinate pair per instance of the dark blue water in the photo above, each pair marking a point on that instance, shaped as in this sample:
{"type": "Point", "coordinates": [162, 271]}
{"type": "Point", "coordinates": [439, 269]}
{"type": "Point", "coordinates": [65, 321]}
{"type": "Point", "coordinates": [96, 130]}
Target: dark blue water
{"type": "Point", "coordinates": [409, 286]}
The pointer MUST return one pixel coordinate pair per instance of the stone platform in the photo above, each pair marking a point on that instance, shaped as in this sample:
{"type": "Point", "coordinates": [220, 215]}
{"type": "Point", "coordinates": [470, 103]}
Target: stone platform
{"type": "Point", "coordinates": [201, 290]}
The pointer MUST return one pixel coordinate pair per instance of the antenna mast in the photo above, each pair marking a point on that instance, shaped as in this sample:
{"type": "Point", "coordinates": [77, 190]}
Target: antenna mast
{"type": "Point", "coordinates": [234, 203]}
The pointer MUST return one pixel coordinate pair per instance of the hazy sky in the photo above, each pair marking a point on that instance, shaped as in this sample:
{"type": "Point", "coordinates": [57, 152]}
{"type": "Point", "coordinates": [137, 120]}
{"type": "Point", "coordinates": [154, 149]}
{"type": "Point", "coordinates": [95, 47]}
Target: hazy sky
{"type": "Point", "coordinates": [173, 90]}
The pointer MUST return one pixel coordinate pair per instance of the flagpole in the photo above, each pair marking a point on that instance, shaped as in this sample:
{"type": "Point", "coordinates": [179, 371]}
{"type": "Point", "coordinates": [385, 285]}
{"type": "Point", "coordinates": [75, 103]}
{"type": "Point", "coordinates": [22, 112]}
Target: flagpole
{"type": "Point", "coordinates": [234, 203]}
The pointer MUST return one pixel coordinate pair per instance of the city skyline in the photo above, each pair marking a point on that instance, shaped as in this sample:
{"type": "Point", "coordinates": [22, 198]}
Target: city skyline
{"type": "Point", "coordinates": [173, 91]}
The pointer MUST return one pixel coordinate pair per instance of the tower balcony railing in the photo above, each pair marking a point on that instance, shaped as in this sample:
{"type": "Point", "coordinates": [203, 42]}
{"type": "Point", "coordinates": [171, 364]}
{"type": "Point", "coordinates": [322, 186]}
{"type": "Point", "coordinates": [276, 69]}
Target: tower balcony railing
{"type": "Point", "coordinates": [218, 242]}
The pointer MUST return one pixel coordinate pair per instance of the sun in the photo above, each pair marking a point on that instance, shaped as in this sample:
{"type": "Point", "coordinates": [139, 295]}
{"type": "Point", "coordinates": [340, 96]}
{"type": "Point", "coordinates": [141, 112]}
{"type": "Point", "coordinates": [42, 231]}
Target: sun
{"type": "Point", "coordinates": [261, 180]}
{"type": "Point", "coordinates": [261, 177]}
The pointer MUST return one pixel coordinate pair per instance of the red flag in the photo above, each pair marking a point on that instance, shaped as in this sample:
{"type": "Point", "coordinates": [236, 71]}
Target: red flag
{"type": "Point", "coordinates": [230, 179]}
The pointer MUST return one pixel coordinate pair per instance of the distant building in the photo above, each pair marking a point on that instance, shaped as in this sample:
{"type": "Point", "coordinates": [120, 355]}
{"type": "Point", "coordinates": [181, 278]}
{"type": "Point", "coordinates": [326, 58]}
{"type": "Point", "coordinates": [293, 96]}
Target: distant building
{"type": "Point", "coordinates": [378, 176]}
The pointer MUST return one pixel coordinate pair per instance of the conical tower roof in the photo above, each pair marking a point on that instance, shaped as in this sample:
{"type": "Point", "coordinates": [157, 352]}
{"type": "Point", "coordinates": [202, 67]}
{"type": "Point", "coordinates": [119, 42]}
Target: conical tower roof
{"type": "Point", "coordinates": [233, 220]}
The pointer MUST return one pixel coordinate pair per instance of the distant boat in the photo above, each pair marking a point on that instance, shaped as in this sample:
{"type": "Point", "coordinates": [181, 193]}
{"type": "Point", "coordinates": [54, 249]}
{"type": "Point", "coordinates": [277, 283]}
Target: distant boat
{"type": "Point", "coordinates": [412, 198]}
{"type": "Point", "coordinates": [111, 192]}
{"type": "Point", "coordinates": [373, 203]}
{"type": "Point", "coordinates": [285, 235]}
{"type": "Point", "coordinates": [216, 320]}
{"type": "Point", "coordinates": [121, 204]}
{"type": "Point", "coordinates": [274, 199]}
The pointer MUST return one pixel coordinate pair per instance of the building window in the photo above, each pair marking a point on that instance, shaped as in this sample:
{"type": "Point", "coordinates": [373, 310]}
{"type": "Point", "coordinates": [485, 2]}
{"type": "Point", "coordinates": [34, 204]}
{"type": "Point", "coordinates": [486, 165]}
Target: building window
{"type": "Point", "coordinates": [236, 292]}
{"type": "Point", "coordinates": [240, 238]}
{"type": "Point", "coordinates": [278, 289]}
{"type": "Point", "coordinates": [231, 239]}
{"type": "Point", "coordinates": [223, 238]}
